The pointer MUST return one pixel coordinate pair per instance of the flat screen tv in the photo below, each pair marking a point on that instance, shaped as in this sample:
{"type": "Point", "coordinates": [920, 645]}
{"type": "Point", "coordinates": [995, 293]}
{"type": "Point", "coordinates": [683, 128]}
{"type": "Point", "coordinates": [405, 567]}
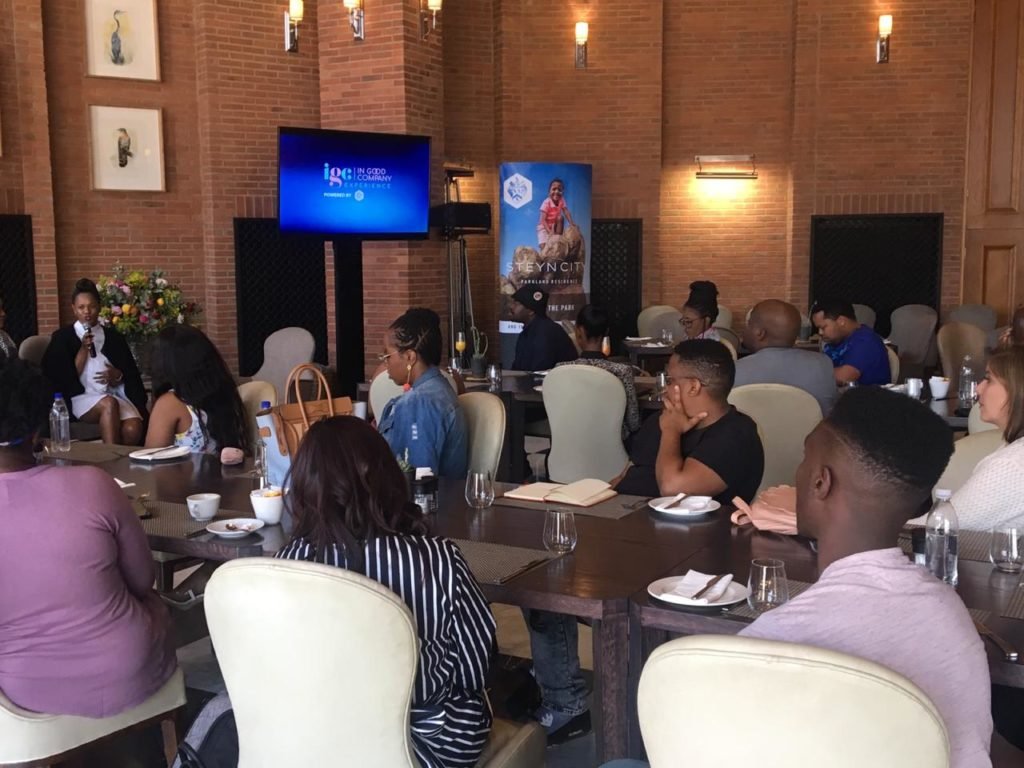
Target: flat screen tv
{"type": "Point", "coordinates": [351, 184]}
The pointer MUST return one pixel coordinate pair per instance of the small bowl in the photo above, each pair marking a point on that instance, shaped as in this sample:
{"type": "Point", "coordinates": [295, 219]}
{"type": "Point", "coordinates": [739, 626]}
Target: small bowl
{"type": "Point", "coordinates": [939, 387]}
{"type": "Point", "coordinates": [203, 506]}
{"type": "Point", "coordinates": [268, 504]}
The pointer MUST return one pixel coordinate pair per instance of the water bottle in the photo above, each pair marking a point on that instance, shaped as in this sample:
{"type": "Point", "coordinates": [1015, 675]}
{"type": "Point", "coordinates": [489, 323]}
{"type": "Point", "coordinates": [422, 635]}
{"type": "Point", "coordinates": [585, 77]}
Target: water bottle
{"type": "Point", "coordinates": [60, 425]}
{"type": "Point", "coordinates": [968, 389]}
{"type": "Point", "coordinates": [941, 530]}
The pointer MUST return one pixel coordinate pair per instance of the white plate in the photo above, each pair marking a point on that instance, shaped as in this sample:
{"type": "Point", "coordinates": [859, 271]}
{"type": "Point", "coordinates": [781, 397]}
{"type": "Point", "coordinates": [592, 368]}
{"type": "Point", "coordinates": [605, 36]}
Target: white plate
{"type": "Point", "coordinates": [633, 339]}
{"type": "Point", "coordinates": [170, 452]}
{"type": "Point", "coordinates": [541, 373]}
{"type": "Point", "coordinates": [539, 388]}
{"type": "Point", "coordinates": [662, 590]}
{"type": "Point", "coordinates": [681, 509]}
{"type": "Point", "coordinates": [220, 527]}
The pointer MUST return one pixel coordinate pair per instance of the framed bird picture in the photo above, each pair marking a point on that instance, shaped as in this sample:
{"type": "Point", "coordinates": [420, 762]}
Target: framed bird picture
{"type": "Point", "coordinates": [126, 148]}
{"type": "Point", "coordinates": [121, 39]}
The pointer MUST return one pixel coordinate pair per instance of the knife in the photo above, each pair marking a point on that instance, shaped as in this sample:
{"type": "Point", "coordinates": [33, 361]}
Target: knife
{"type": "Point", "coordinates": [153, 451]}
{"type": "Point", "coordinates": [715, 580]}
{"type": "Point", "coordinates": [1008, 652]}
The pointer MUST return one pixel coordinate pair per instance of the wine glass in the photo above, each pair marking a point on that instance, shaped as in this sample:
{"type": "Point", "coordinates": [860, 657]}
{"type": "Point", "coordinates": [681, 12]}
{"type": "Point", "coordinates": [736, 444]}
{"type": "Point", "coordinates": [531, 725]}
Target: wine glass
{"type": "Point", "coordinates": [1005, 552]}
{"type": "Point", "coordinates": [559, 531]}
{"type": "Point", "coordinates": [479, 490]}
{"type": "Point", "coordinates": [768, 586]}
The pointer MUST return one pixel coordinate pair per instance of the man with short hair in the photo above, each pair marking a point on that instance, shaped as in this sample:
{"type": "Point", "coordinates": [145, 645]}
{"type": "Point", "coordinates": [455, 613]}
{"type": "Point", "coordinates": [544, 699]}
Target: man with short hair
{"type": "Point", "coordinates": [591, 329]}
{"type": "Point", "coordinates": [857, 352]}
{"type": "Point", "coordinates": [699, 444]}
{"type": "Point", "coordinates": [772, 330]}
{"type": "Point", "coordinates": [543, 343]}
{"type": "Point", "coordinates": [867, 469]}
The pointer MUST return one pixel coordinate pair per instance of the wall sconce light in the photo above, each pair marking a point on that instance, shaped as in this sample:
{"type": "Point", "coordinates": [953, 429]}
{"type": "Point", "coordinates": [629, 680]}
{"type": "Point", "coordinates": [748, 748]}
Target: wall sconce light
{"type": "Point", "coordinates": [582, 33]}
{"type": "Point", "coordinates": [355, 18]}
{"type": "Point", "coordinates": [428, 16]}
{"type": "Point", "coordinates": [292, 19]}
{"type": "Point", "coordinates": [884, 32]}
{"type": "Point", "coordinates": [725, 166]}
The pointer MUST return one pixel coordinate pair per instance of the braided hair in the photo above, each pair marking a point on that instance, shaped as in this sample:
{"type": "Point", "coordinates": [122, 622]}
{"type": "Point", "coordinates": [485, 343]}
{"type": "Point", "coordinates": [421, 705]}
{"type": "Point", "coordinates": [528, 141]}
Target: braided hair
{"type": "Point", "coordinates": [419, 329]}
{"type": "Point", "coordinates": [704, 299]}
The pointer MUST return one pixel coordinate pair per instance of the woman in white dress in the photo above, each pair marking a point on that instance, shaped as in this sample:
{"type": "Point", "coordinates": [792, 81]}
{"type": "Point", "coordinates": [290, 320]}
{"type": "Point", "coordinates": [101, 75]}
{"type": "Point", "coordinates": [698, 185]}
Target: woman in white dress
{"type": "Point", "coordinates": [93, 368]}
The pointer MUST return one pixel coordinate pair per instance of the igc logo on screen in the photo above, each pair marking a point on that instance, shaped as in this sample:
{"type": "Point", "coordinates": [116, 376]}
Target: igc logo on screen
{"type": "Point", "coordinates": [337, 177]}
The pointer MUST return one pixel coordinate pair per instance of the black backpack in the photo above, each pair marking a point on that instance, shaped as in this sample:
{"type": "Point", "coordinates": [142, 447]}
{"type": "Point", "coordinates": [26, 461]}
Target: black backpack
{"type": "Point", "coordinates": [212, 739]}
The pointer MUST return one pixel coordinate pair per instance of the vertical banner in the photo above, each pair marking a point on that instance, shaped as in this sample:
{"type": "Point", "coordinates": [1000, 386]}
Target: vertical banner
{"type": "Point", "coordinates": [544, 240]}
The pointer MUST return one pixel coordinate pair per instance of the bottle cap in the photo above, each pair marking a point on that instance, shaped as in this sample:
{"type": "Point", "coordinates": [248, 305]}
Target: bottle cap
{"type": "Point", "coordinates": [58, 396]}
{"type": "Point", "coordinates": [265, 405]}
{"type": "Point", "coordinates": [943, 495]}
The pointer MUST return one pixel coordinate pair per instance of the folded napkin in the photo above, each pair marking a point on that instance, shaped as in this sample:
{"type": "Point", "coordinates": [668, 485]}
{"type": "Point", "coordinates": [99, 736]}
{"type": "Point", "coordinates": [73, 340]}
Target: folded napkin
{"type": "Point", "coordinates": [773, 510]}
{"type": "Point", "coordinates": [694, 581]}
{"type": "Point", "coordinates": [655, 345]}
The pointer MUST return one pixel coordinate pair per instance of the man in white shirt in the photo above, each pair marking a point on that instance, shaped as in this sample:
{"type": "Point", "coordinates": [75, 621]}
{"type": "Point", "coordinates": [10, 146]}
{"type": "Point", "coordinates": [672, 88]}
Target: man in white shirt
{"type": "Point", "coordinates": [867, 469]}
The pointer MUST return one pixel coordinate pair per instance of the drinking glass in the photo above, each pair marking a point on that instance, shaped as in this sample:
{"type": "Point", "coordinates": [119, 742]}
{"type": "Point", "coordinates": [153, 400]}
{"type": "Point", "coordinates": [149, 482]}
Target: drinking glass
{"type": "Point", "coordinates": [259, 461]}
{"type": "Point", "coordinates": [768, 586]}
{"type": "Point", "coordinates": [494, 374]}
{"type": "Point", "coordinates": [1005, 551]}
{"type": "Point", "coordinates": [559, 531]}
{"type": "Point", "coordinates": [479, 490]}
{"type": "Point", "coordinates": [460, 342]}
{"type": "Point", "coordinates": [666, 336]}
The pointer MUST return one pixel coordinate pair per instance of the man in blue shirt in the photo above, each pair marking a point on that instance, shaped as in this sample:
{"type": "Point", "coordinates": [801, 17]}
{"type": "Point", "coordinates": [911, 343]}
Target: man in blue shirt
{"type": "Point", "coordinates": [857, 352]}
{"type": "Point", "coordinates": [543, 343]}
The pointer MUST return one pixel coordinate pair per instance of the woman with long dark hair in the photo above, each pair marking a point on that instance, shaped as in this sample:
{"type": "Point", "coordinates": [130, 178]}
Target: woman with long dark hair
{"type": "Point", "coordinates": [350, 508]}
{"type": "Point", "coordinates": [92, 366]}
{"type": "Point", "coordinates": [196, 402]}
{"type": "Point", "coordinates": [426, 420]}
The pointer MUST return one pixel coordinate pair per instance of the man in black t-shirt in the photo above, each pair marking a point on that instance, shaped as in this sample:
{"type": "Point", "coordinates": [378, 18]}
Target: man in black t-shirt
{"type": "Point", "coordinates": [698, 444]}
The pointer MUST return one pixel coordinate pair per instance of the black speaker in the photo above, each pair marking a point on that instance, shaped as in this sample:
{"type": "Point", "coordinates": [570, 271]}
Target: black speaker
{"type": "Point", "coordinates": [456, 219]}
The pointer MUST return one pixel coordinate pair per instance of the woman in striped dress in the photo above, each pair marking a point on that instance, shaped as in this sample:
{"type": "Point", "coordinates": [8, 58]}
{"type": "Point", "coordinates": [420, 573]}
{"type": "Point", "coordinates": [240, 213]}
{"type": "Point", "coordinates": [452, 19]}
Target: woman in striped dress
{"type": "Point", "coordinates": [351, 509]}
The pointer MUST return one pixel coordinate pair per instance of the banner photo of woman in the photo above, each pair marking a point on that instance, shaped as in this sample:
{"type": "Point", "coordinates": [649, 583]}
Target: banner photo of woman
{"type": "Point", "coordinates": [544, 239]}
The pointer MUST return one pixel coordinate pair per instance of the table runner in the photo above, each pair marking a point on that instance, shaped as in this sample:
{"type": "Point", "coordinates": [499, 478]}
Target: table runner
{"type": "Point", "coordinates": [611, 509]}
{"type": "Point", "coordinates": [498, 563]}
{"type": "Point", "coordinates": [94, 452]}
{"type": "Point", "coordinates": [743, 610]}
{"type": "Point", "coordinates": [972, 545]}
{"type": "Point", "coordinates": [173, 520]}
{"type": "Point", "coordinates": [1014, 608]}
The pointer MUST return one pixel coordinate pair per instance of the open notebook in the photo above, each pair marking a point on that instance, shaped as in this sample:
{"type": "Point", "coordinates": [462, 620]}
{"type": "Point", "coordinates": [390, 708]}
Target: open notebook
{"type": "Point", "coordinates": [582, 493]}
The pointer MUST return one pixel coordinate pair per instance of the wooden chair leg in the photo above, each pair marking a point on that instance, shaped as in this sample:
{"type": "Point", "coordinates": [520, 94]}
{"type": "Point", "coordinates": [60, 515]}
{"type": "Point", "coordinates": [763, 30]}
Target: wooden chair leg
{"type": "Point", "coordinates": [170, 728]}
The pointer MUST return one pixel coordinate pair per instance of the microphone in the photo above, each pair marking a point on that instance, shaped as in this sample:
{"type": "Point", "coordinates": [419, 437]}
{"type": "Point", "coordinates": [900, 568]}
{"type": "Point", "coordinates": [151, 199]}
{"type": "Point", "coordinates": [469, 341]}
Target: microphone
{"type": "Point", "coordinates": [92, 344]}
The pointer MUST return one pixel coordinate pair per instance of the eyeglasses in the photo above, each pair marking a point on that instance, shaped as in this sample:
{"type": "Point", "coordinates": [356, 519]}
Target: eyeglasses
{"type": "Point", "coordinates": [384, 357]}
{"type": "Point", "coordinates": [689, 322]}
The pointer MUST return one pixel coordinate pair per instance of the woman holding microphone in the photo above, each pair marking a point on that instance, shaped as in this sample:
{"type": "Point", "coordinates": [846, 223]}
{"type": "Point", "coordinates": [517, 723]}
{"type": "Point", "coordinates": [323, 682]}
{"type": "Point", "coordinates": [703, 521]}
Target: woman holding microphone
{"type": "Point", "coordinates": [93, 368]}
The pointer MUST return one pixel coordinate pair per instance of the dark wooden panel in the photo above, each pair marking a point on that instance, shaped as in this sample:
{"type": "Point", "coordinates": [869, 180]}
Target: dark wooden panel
{"type": "Point", "coordinates": [17, 276]}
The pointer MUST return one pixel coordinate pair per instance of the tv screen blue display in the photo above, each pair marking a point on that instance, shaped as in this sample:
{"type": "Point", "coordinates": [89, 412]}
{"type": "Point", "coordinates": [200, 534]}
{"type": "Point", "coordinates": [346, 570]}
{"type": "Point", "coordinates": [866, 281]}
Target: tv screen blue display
{"type": "Point", "coordinates": [344, 183]}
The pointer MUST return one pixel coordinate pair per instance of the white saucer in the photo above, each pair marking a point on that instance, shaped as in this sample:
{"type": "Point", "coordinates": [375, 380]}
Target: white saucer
{"type": "Point", "coordinates": [662, 590]}
{"type": "Point", "coordinates": [220, 527]}
{"type": "Point", "coordinates": [636, 339]}
{"type": "Point", "coordinates": [681, 509]}
{"type": "Point", "coordinates": [164, 454]}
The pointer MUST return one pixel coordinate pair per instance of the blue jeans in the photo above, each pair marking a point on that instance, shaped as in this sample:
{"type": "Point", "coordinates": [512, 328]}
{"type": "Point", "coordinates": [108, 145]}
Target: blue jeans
{"type": "Point", "coordinates": [556, 661]}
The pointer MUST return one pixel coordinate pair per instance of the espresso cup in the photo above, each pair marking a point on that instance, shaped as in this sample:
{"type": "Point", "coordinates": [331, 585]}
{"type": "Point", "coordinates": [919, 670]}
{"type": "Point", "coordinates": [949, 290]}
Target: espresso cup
{"type": "Point", "coordinates": [203, 506]}
{"type": "Point", "coordinates": [939, 387]}
{"type": "Point", "coordinates": [359, 410]}
{"type": "Point", "coordinates": [915, 387]}
{"type": "Point", "coordinates": [268, 504]}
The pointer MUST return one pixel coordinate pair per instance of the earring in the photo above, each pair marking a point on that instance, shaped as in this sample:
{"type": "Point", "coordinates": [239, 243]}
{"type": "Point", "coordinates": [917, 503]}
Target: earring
{"type": "Point", "coordinates": [408, 375]}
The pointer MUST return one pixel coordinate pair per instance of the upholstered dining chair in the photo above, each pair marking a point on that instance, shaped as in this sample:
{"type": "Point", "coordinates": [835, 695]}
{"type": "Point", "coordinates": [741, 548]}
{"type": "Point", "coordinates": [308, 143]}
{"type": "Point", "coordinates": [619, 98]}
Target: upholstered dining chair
{"type": "Point", "coordinates": [913, 328]}
{"type": "Point", "coordinates": [724, 319]}
{"type": "Point", "coordinates": [643, 320]}
{"type": "Point", "coordinates": [785, 415]}
{"type": "Point", "coordinates": [974, 422]}
{"type": "Point", "coordinates": [282, 351]}
{"type": "Point", "coordinates": [735, 702]}
{"type": "Point", "coordinates": [727, 334]}
{"type": "Point", "coordinates": [731, 347]}
{"type": "Point", "coordinates": [865, 315]}
{"type": "Point", "coordinates": [346, 696]}
{"type": "Point", "coordinates": [33, 348]}
{"type": "Point", "coordinates": [667, 320]}
{"type": "Point", "coordinates": [31, 738]}
{"type": "Point", "coordinates": [252, 394]}
{"type": "Point", "coordinates": [981, 315]}
{"type": "Point", "coordinates": [956, 340]}
{"type": "Point", "coordinates": [894, 364]}
{"type": "Point", "coordinates": [485, 415]}
{"type": "Point", "coordinates": [382, 391]}
{"type": "Point", "coordinates": [585, 407]}
{"type": "Point", "coordinates": [967, 452]}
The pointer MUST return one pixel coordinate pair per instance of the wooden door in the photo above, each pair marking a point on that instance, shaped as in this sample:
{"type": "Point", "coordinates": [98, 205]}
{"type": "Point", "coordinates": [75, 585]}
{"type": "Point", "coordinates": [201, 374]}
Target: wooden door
{"type": "Point", "coordinates": [993, 270]}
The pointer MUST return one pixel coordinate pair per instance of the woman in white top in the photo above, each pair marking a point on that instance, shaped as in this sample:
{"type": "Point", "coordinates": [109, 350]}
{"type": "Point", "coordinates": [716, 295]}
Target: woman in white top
{"type": "Point", "coordinates": [994, 493]}
{"type": "Point", "coordinates": [196, 401]}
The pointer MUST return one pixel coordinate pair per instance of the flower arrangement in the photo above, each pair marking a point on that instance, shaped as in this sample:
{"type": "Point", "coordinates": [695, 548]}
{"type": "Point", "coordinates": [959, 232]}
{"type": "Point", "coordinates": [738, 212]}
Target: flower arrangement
{"type": "Point", "coordinates": [141, 305]}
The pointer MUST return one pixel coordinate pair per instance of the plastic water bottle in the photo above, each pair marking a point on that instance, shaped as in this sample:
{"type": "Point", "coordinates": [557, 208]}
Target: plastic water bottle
{"type": "Point", "coordinates": [968, 389]}
{"type": "Point", "coordinates": [941, 531]}
{"type": "Point", "coordinates": [60, 425]}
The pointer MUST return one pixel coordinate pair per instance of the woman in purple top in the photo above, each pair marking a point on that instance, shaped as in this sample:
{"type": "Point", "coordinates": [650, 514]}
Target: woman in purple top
{"type": "Point", "coordinates": [81, 630]}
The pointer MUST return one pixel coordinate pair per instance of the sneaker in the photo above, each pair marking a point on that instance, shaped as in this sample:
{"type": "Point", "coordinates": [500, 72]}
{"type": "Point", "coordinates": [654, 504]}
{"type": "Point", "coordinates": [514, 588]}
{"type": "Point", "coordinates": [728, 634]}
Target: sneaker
{"type": "Point", "coordinates": [561, 727]}
{"type": "Point", "coordinates": [181, 601]}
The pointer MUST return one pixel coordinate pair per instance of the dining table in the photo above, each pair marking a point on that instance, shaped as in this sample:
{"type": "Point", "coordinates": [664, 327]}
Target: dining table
{"type": "Point", "coordinates": [603, 581]}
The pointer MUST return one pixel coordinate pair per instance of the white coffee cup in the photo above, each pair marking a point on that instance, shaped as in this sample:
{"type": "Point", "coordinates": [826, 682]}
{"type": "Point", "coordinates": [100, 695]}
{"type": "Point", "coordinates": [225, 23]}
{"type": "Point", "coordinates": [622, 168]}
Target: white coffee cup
{"type": "Point", "coordinates": [939, 387]}
{"type": "Point", "coordinates": [268, 508]}
{"type": "Point", "coordinates": [359, 410]}
{"type": "Point", "coordinates": [915, 387]}
{"type": "Point", "coordinates": [203, 506]}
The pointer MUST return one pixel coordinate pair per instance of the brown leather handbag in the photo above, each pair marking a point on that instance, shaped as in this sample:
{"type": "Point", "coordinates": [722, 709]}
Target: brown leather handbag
{"type": "Point", "coordinates": [291, 421]}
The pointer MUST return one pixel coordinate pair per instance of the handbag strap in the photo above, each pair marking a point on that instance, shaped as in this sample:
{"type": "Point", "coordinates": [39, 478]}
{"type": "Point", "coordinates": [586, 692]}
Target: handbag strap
{"type": "Point", "coordinates": [322, 388]}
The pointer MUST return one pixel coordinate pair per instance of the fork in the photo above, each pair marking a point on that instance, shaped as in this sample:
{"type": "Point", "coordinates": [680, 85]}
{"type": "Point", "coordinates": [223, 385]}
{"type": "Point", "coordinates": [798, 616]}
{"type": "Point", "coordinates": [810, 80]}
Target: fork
{"type": "Point", "coordinates": [1008, 651]}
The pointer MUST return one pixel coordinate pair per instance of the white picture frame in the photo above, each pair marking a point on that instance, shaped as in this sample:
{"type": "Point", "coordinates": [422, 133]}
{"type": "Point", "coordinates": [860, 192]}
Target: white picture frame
{"type": "Point", "coordinates": [121, 39]}
{"type": "Point", "coordinates": [126, 148]}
